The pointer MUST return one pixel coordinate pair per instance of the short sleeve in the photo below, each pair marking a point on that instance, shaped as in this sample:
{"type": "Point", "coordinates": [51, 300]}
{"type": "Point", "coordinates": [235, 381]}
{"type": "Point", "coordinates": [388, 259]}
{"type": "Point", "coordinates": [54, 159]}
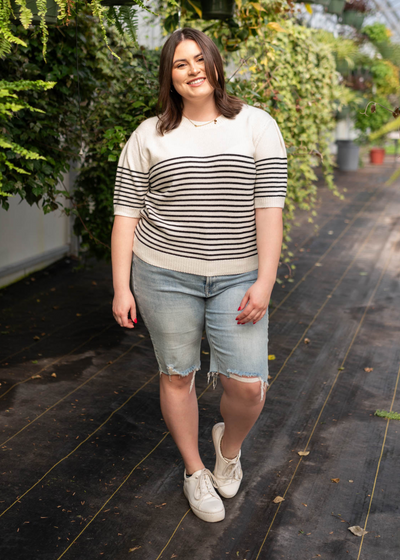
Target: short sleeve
{"type": "Point", "coordinates": [271, 168]}
{"type": "Point", "coordinates": [132, 180]}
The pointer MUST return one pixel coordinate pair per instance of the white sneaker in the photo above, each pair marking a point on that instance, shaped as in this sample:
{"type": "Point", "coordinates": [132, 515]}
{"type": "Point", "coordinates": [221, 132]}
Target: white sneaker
{"type": "Point", "coordinates": [228, 472]}
{"type": "Point", "coordinates": [203, 499]}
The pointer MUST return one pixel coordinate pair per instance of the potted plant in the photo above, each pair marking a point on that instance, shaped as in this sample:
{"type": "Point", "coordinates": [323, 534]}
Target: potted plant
{"type": "Point", "coordinates": [371, 120]}
{"type": "Point", "coordinates": [354, 13]}
{"type": "Point", "coordinates": [377, 151]}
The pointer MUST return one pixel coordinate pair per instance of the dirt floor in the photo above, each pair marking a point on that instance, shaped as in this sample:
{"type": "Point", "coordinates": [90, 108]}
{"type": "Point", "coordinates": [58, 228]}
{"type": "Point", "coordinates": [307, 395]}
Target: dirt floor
{"type": "Point", "coordinates": [89, 470]}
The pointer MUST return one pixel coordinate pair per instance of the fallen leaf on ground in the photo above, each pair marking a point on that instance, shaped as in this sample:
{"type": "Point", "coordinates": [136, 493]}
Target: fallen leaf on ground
{"type": "Point", "coordinates": [278, 500]}
{"type": "Point", "coordinates": [303, 453]}
{"type": "Point", "coordinates": [36, 377]}
{"type": "Point", "coordinates": [357, 531]}
{"type": "Point", "coordinates": [271, 357]}
{"type": "Point", "coordinates": [305, 505]}
{"type": "Point", "coordinates": [335, 480]}
{"type": "Point", "coordinates": [53, 375]}
{"type": "Point", "coordinates": [307, 341]}
{"type": "Point", "coordinates": [368, 369]}
{"type": "Point", "coordinates": [36, 338]}
{"type": "Point", "coordinates": [135, 548]}
{"type": "Point", "coordinates": [204, 352]}
{"type": "Point", "coordinates": [385, 414]}
{"type": "Point", "coordinates": [351, 480]}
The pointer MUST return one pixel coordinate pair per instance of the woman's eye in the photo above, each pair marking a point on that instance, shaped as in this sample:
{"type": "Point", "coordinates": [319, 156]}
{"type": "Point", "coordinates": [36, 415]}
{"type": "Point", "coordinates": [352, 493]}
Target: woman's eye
{"type": "Point", "coordinates": [180, 65]}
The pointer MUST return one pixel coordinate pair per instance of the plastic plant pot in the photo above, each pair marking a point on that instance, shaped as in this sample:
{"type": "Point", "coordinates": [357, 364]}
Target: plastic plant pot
{"type": "Point", "coordinates": [348, 155]}
{"type": "Point", "coordinates": [377, 156]}
{"type": "Point", "coordinates": [353, 18]}
{"type": "Point", "coordinates": [217, 9]}
{"type": "Point", "coordinates": [335, 6]}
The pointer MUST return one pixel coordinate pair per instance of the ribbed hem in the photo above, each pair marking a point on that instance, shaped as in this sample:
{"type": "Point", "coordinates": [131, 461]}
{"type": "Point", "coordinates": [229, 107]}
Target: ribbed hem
{"type": "Point", "coordinates": [269, 202]}
{"type": "Point", "coordinates": [194, 266]}
{"type": "Point", "coordinates": [127, 211]}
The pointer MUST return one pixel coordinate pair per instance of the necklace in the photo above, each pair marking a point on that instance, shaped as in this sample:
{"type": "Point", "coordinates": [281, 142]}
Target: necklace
{"type": "Point", "coordinates": [204, 124]}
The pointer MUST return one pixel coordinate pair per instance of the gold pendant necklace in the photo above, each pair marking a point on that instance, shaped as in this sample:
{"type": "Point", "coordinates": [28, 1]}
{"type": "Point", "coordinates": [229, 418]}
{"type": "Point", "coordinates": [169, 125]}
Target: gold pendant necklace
{"type": "Point", "coordinates": [204, 124]}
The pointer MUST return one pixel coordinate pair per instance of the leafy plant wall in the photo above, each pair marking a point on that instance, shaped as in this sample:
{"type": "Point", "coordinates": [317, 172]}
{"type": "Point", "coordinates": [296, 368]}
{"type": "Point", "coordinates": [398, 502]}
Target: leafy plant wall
{"type": "Point", "coordinates": [287, 71]}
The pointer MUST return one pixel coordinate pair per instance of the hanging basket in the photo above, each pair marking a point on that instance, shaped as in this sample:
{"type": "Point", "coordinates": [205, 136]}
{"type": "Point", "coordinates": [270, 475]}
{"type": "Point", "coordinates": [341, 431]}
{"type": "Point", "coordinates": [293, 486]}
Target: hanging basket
{"type": "Point", "coordinates": [51, 13]}
{"type": "Point", "coordinates": [217, 9]}
{"type": "Point", "coordinates": [117, 3]}
{"type": "Point", "coordinates": [335, 6]}
{"type": "Point", "coordinates": [353, 18]}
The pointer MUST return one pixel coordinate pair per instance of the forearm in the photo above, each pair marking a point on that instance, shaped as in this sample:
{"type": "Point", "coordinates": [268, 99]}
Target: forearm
{"type": "Point", "coordinates": [269, 229]}
{"type": "Point", "coordinates": [121, 251]}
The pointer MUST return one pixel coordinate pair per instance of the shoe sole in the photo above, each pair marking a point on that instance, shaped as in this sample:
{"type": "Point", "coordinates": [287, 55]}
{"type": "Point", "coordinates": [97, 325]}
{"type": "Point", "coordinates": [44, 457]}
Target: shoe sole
{"type": "Point", "coordinates": [212, 517]}
{"type": "Point", "coordinates": [219, 490]}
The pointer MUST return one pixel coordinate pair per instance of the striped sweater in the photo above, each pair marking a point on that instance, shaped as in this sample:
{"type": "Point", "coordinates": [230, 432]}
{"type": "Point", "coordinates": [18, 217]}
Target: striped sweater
{"type": "Point", "coordinates": [195, 190]}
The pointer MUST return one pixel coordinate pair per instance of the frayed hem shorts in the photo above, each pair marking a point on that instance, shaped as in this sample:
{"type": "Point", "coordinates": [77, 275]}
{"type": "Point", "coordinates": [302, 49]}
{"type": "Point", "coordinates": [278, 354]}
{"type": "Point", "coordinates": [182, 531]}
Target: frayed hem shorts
{"type": "Point", "coordinates": [175, 306]}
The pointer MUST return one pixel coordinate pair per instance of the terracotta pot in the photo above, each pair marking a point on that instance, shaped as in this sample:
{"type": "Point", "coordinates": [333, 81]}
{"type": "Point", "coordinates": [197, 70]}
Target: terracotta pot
{"type": "Point", "coordinates": [377, 156]}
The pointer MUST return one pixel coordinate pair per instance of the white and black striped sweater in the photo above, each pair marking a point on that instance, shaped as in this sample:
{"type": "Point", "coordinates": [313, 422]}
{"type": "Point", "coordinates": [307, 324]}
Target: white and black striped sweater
{"type": "Point", "coordinates": [195, 190]}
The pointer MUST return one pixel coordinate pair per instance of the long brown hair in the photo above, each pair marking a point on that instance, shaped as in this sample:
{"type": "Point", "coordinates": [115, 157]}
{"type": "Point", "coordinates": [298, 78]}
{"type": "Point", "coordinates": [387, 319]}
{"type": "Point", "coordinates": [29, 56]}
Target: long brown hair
{"type": "Point", "coordinates": [170, 103]}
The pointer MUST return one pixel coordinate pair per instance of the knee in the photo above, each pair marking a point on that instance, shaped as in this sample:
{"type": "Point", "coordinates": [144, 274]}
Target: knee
{"type": "Point", "coordinates": [249, 393]}
{"type": "Point", "coordinates": [174, 382]}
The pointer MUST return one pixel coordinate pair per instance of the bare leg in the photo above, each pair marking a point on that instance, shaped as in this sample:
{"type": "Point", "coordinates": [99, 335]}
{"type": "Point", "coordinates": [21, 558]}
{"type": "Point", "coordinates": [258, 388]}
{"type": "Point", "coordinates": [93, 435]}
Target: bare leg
{"type": "Point", "coordinates": [240, 407]}
{"type": "Point", "coordinates": [181, 414]}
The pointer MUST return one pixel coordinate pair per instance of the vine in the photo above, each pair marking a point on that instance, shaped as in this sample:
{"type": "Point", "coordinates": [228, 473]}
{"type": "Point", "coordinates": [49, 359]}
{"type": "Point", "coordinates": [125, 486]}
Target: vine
{"type": "Point", "coordinates": [124, 18]}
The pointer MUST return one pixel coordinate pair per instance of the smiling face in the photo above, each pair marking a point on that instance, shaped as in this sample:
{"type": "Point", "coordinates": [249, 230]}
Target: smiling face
{"type": "Point", "coordinates": [189, 73]}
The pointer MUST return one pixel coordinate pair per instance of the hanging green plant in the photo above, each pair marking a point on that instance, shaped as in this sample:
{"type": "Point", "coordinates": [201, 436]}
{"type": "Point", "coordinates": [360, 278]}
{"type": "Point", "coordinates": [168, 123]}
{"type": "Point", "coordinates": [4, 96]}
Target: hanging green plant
{"type": "Point", "coordinates": [31, 5]}
{"type": "Point", "coordinates": [61, 12]}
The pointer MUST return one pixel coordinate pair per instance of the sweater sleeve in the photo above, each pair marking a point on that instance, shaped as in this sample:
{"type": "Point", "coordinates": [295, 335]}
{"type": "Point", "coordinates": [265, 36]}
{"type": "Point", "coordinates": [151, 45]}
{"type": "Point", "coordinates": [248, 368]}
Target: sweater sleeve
{"type": "Point", "coordinates": [271, 168]}
{"type": "Point", "coordinates": [132, 180]}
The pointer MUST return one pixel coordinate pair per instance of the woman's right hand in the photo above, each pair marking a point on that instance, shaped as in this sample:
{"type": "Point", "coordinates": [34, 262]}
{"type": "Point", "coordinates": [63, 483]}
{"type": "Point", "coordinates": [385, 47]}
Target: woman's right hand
{"type": "Point", "coordinates": [123, 304]}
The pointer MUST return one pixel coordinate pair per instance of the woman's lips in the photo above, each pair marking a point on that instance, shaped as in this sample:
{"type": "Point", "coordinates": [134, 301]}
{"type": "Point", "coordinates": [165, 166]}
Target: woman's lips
{"type": "Point", "coordinates": [198, 83]}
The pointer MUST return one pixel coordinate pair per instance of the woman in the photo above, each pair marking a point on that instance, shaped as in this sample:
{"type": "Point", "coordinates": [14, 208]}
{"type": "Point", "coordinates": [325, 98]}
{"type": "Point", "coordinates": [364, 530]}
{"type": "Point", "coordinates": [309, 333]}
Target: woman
{"type": "Point", "coordinates": [199, 196]}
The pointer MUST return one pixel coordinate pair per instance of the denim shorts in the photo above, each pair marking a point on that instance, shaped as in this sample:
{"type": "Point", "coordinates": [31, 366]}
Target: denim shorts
{"type": "Point", "coordinates": [176, 306]}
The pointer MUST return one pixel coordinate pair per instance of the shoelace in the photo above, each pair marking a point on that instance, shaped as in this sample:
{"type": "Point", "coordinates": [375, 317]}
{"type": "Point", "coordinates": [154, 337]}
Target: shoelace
{"type": "Point", "coordinates": [232, 470]}
{"type": "Point", "coordinates": [206, 484]}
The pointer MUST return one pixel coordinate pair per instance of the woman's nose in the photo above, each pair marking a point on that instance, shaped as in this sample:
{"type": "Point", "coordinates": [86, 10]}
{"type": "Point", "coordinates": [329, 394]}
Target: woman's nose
{"type": "Point", "coordinates": [193, 69]}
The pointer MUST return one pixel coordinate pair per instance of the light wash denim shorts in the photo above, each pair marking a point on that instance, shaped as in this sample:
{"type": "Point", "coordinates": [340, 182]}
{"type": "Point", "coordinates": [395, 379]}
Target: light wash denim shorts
{"type": "Point", "coordinates": [175, 307]}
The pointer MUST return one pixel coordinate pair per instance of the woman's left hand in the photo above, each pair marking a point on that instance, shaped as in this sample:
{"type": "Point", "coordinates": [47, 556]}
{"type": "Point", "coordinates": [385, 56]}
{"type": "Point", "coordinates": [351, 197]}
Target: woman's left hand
{"type": "Point", "coordinates": [254, 304]}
